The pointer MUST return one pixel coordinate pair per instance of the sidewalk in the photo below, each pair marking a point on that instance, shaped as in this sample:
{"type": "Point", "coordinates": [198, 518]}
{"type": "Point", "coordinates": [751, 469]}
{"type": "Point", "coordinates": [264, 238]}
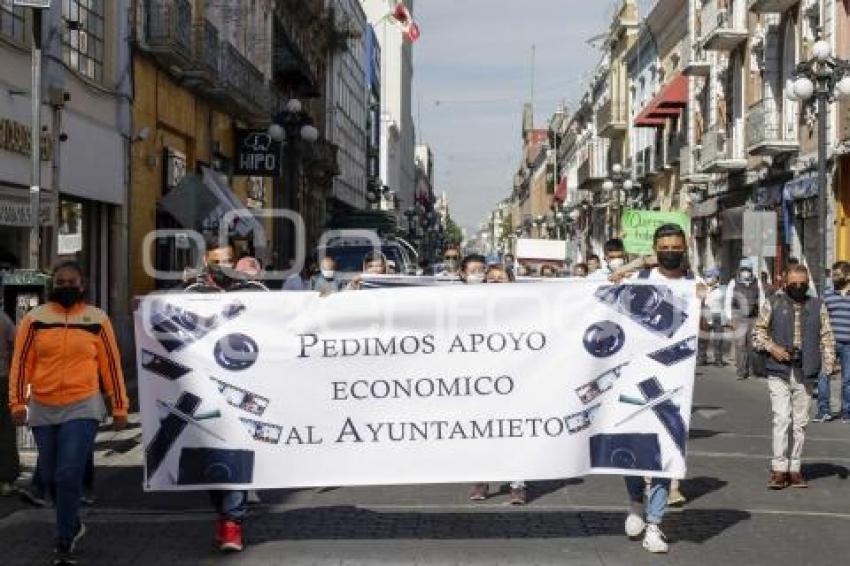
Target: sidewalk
{"type": "Point", "coordinates": [731, 517]}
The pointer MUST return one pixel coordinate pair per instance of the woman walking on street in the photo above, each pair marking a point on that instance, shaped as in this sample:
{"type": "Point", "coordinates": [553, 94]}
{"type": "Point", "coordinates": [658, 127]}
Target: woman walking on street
{"type": "Point", "coordinates": [63, 350]}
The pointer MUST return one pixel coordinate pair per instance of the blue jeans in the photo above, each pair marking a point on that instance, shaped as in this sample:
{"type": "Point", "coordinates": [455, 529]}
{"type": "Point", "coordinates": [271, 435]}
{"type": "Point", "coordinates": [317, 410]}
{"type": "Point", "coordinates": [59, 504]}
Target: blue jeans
{"type": "Point", "coordinates": [843, 353]}
{"type": "Point", "coordinates": [656, 504]}
{"type": "Point", "coordinates": [63, 451]}
{"type": "Point", "coordinates": [229, 505]}
{"type": "Point", "coordinates": [823, 395]}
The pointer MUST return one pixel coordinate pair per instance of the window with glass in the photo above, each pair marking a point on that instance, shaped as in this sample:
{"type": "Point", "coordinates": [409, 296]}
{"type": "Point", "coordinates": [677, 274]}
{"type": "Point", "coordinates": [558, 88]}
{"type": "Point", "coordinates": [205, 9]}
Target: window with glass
{"type": "Point", "coordinates": [82, 37]}
{"type": "Point", "coordinates": [11, 21]}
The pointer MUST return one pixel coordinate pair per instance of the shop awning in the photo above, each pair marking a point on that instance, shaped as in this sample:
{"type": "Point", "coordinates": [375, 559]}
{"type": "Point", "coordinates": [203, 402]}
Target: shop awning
{"type": "Point", "coordinates": [668, 103]}
{"type": "Point", "coordinates": [200, 200]}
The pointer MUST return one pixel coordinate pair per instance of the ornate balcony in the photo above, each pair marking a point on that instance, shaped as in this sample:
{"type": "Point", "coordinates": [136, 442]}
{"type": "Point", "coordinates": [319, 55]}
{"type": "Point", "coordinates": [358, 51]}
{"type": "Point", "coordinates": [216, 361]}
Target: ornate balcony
{"type": "Point", "coordinates": [723, 25]}
{"type": "Point", "coordinates": [612, 119]}
{"type": "Point", "coordinates": [207, 58]}
{"type": "Point", "coordinates": [242, 85]}
{"type": "Point", "coordinates": [593, 170]}
{"type": "Point", "coordinates": [166, 32]}
{"type": "Point", "coordinates": [717, 153]}
{"type": "Point", "coordinates": [765, 134]}
{"type": "Point", "coordinates": [696, 60]}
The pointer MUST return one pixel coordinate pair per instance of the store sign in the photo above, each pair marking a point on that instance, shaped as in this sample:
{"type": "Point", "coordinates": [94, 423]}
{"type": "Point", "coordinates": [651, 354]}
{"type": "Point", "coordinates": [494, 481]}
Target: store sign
{"type": "Point", "coordinates": [17, 213]}
{"type": "Point", "coordinates": [17, 138]}
{"type": "Point", "coordinates": [257, 154]}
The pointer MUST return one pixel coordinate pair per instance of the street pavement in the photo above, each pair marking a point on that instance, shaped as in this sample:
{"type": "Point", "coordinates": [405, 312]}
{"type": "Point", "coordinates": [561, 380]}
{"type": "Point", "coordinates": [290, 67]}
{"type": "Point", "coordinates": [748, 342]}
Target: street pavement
{"type": "Point", "coordinates": [731, 518]}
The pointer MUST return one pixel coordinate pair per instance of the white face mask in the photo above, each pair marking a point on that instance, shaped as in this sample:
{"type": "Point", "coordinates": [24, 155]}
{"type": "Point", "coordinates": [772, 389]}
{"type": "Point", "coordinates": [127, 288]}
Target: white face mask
{"type": "Point", "coordinates": [616, 263]}
{"type": "Point", "coordinates": [475, 278]}
{"type": "Point", "coordinates": [328, 273]}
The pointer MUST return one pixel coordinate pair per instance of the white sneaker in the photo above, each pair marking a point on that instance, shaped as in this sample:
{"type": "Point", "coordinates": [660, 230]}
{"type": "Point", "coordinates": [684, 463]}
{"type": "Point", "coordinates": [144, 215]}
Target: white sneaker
{"type": "Point", "coordinates": [634, 522]}
{"type": "Point", "coordinates": [654, 540]}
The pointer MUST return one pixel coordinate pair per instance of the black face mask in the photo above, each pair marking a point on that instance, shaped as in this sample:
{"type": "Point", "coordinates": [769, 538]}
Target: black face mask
{"type": "Point", "coordinates": [219, 277]}
{"type": "Point", "coordinates": [66, 296]}
{"type": "Point", "coordinates": [839, 283]}
{"type": "Point", "coordinates": [798, 293]}
{"type": "Point", "coordinates": [671, 260]}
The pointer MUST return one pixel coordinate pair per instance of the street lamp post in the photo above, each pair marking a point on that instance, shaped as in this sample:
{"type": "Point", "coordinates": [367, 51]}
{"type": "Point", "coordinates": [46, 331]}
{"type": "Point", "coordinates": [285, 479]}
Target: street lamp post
{"type": "Point", "coordinates": [823, 78]}
{"type": "Point", "coordinates": [619, 182]}
{"type": "Point", "coordinates": [291, 128]}
{"type": "Point", "coordinates": [410, 213]}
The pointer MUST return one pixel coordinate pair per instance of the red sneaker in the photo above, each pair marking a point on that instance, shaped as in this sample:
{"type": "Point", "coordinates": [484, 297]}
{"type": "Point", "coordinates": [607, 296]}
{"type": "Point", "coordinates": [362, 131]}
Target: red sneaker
{"type": "Point", "coordinates": [231, 536]}
{"type": "Point", "coordinates": [219, 525]}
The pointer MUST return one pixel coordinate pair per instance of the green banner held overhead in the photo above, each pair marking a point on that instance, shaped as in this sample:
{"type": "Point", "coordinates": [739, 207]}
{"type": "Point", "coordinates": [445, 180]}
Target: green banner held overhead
{"type": "Point", "coordinates": [640, 225]}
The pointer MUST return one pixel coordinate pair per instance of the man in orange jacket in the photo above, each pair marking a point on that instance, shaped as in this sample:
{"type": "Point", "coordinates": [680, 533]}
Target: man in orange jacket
{"type": "Point", "coordinates": [64, 351]}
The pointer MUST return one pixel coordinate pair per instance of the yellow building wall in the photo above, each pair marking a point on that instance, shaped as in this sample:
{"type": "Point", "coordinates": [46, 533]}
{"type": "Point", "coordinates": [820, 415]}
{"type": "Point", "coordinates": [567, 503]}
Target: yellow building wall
{"type": "Point", "coordinates": [176, 119]}
{"type": "Point", "coordinates": [842, 212]}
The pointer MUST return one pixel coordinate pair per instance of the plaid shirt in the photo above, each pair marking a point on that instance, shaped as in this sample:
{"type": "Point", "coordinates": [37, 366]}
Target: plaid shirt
{"type": "Point", "coordinates": [762, 339]}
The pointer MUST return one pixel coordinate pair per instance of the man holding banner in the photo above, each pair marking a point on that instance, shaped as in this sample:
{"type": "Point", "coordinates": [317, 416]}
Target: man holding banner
{"type": "Point", "coordinates": [646, 511]}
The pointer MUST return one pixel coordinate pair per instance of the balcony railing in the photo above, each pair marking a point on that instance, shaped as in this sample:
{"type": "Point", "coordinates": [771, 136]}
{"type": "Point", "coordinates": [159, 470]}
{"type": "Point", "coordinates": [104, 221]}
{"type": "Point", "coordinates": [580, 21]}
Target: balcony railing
{"type": "Point", "coordinates": [696, 59]}
{"type": "Point", "coordinates": [717, 153]}
{"type": "Point", "coordinates": [771, 6]}
{"type": "Point", "coordinates": [765, 134]}
{"type": "Point", "coordinates": [208, 48]}
{"type": "Point", "coordinates": [611, 118]}
{"type": "Point", "coordinates": [723, 24]}
{"type": "Point", "coordinates": [594, 169]}
{"type": "Point", "coordinates": [244, 83]}
{"type": "Point", "coordinates": [168, 29]}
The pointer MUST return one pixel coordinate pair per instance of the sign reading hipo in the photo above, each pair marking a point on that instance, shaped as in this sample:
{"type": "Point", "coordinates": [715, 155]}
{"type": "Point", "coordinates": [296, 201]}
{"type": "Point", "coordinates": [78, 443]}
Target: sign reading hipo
{"type": "Point", "coordinates": [257, 154]}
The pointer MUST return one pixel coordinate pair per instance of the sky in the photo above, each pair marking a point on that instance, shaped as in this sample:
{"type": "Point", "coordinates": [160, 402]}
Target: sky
{"type": "Point", "coordinates": [472, 74]}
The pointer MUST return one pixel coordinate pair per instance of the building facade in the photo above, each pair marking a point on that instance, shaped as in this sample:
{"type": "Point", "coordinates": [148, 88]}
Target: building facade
{"type": "Point", "coordinates": [200, 73]}
{"type": "Point", "coordinates": [693, 100]}
{"type": "Point", "coordinates": [398, 135]}
{"type": "Point", "coordinates": [85, 137]}
{"type": "Point", "coordinates": [348, 97]}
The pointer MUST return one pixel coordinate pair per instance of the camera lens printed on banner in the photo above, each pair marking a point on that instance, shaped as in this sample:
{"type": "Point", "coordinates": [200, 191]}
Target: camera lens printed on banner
{"type": "Point", "coordinates": [654, 307]}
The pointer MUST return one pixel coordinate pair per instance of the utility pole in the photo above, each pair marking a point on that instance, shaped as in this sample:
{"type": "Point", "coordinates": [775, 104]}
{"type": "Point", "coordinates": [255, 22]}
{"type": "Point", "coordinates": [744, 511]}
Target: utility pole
{"type": "Point", "coordinates": [35, 182]}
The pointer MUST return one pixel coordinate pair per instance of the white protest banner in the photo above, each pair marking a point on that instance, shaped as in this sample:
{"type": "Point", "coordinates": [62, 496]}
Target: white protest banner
{"type": "Point", "coordinates": [416, 385]}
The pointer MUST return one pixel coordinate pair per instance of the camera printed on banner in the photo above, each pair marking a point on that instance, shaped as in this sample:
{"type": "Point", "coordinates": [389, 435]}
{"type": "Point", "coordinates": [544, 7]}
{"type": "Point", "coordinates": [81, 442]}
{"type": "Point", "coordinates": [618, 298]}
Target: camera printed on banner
{"type": "Point", "coordinates": [626, 452]}
{"type": "Point", "coordinates": [263, 432]}
{"type": "Point", "coordinates": [241, 398]}
{"type": "Point", "coordinates": [582, 420]}
{"type": "Point", "coordinates": [654, 307]}
{"type": "Point", "coordinates": [678, 352]}
{"type": "Point", "coordinates": [170, 429]}
{"type": "Point", "coordinates": [163, 367]}
{"type": "Point", "coordinates": [175, 327]}
{"type": "Point", "coordinates": [603, 383]}
{"type": "Point", "coordinates": [200, 466]}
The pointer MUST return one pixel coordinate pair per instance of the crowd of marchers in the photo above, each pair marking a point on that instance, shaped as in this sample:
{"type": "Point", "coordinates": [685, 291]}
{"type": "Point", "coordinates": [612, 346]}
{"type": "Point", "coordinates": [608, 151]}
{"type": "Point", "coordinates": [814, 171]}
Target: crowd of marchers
{"type": "Point", "coordinates": [61, 368]}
